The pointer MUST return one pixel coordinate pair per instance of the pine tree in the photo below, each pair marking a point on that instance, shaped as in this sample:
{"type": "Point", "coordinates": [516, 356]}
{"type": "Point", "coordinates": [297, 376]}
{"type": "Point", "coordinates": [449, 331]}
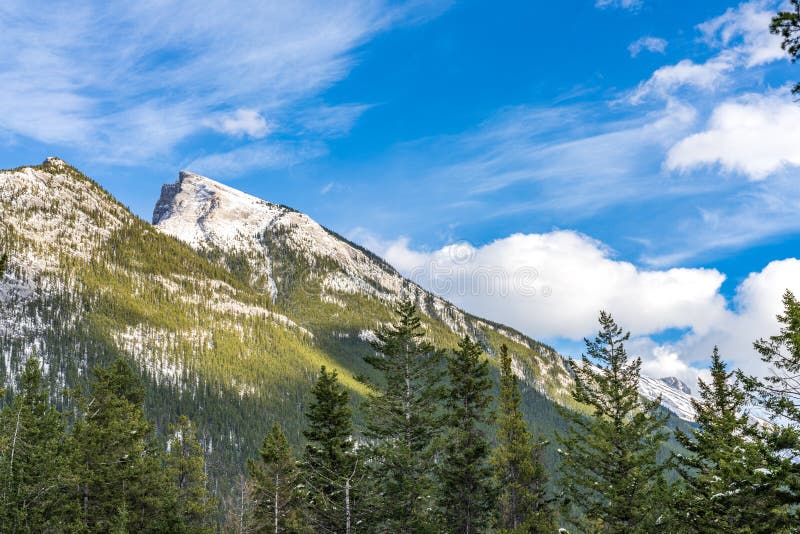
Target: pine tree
{"type": "Point", "coordinates": [186, 470]}
{"type": "Point", "coordinates": [787, 25]}
{"type": "Point", "coordinates": [726, 473]}
{"type": "Point", "coordinates": [517, 460]}
{"type": "Point", "coordinates": [402, 423]}
{"type": "Point", "coordinates": [276, 493]}
{"type": "Point", "coordinates": [779, 393]}
{"type": "Point", "coordinates": [119, 465]}
{"type": "Point", "coordinates": [467, 494]}
{"type": "Point", "coordinates": [34, 461]}
{"type": "Point", "coordinates": [609, 465]}
{"type": "Point", "coordinates": [330, 464]}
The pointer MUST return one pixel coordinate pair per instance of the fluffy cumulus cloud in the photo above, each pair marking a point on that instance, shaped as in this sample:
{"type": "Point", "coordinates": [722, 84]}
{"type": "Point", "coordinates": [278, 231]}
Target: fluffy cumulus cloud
{"type": "Point", "coordinates": [752, 316]}
{"type": "Point", "coordinates": [755, 135]}
{"type": "Point", "coordinates": [650, 44]}
{"type": "Point", "coordinates": [242, 122]}
{"type": "Point", "coordinates": [686, 73]}
{"type": "Point", "coordinates": [552, 285]}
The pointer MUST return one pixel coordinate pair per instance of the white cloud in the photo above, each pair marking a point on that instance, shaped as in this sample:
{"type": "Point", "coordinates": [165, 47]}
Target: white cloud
{"type": "Point", "coordinates": [686, 73]}
{"type": "Point", "coordinates": [746, 29]}
{"type": "Point", "coordinates": [243, 122]}
{"type": "Point", "coordinates": [575, 162]}
{"type": "Point", "coordinates": [553, 285]}
{"type": "Point", "coordinates": [651, 44]}
{"type": "Point", "coordinates": [128, 81]}
{"type": "Point", "coordinates": [756, 304]}
{"type": "Point", "coordinates": [262, 155]}
{"type": "Point", "coordinates": [755, 135]}
{"type": "Point", "coordinates": [744, 41]}
{"type": "Point", "coordinates": [623, 4]}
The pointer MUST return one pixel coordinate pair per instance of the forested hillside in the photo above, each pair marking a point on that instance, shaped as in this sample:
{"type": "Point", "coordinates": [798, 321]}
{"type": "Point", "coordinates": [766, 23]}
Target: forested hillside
{"type": "Point", "coordinates": [88, 282]}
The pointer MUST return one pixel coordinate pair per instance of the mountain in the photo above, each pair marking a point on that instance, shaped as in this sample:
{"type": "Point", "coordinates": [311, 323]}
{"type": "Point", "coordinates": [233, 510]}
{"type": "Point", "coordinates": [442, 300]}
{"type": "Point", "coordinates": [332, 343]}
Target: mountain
{"type": "Point", "coordinates": [227, 306]}
{"type": "Point", "coordinates": [675, 383]}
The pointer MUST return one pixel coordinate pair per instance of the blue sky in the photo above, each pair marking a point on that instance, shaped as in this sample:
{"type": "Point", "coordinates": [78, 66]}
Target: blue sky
{"type": "Point", "coordinates": [641, 155]}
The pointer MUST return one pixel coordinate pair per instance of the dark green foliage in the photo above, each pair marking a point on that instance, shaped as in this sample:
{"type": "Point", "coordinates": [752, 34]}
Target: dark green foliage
{"type": "Point", "coordinates": [332, 473]}
{"type": "Point", "coordinates": [519, 473]}
{"type": "Point", "coordinates": [779, 393]}
{"type": "Point", "coordinates": [726, 473]}
{"type": "Point", "coordinates": [787, 25]}
{"type": "Point", "coordinates": [402, 423]}
{"type": "Point", "coordinates": [466, 495]}
{"type": "Point", "coordinates": [186, 470]}
{"type": "Point", "coordinates": [276, 487]}
{"type": "Point", "coordinates": [117, 462]}
{"type": "Point", "coordinates": [3, 263]}
{"type": "Point", "coordinates": [35, 476]}
{"type": "Point", "coordinates": [609, 467]}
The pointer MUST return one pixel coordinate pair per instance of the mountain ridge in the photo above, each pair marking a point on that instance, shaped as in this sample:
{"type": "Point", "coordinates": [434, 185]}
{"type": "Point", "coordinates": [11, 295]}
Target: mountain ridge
{"type": "Point", "coordinates": [230, 332]}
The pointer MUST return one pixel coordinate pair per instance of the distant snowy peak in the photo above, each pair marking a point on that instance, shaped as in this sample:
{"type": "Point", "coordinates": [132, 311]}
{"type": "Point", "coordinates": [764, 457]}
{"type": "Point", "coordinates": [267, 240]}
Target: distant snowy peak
{"type": "Point", "coordinates": [675, 400]}
{"type": "Point", "coordinates": [676, 383]}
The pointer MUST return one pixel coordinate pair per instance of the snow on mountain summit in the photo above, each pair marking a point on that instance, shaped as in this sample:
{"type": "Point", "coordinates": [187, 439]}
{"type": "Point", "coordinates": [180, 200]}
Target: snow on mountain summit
{"type": "Point", "coordinates": [203, 212]}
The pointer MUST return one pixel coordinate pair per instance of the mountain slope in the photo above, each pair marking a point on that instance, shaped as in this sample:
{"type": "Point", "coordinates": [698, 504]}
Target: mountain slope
{"type": "Point", "coordinates": [227, 307]}
{"type": "Point", "coordinates": [329, 285]}
{"type": "Point", "coordinates": [230, 333]}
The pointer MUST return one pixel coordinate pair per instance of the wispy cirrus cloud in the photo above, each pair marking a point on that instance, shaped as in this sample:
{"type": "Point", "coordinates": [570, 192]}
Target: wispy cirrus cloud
{"type": "Point", "coordinates": [656, 45]}
{"type": "Point", "coordinates": [132, 80]}
{"type": "Point", "coordinates": [621, 4]}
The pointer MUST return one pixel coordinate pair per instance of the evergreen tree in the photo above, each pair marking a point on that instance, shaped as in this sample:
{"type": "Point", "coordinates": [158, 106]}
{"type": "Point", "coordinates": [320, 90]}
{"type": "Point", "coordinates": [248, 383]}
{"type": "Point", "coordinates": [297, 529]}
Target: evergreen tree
{"type": "Point", "coordinates": [186, 470]}
{"type": "Point", "coordinates": [330, 463]}
{"type": "Point", "coordinates": [787, 25]}
{"type": "Point", "coordinates": [3, 263]}
{"type": "Point", "coordinates": [518, 470]}
{"type": "Point", "coordinates": [34, 461]}
{"type": "Point", "coordinates": [277, 499]}
{"type": "Point", "coordinates": [467, 494]}
{"type": "Point", "coordinates": [121, 479]}
{"type": "Point", "coordinates": [609, 466]}
{"type": "Point", "coordinates": [402, 423]}
{"type": "Point", "coordinates": [779, 393]}
{"type": "Point", "coordinates": [726, 474]}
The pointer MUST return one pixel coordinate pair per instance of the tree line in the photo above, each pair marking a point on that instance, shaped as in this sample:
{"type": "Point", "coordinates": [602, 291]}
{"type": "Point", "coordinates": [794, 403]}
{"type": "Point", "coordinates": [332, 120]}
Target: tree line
{"type": "Point", "coordinates": [433, 456]}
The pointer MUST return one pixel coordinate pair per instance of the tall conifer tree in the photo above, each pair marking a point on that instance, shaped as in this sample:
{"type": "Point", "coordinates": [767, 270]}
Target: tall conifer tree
{"type": "Point", "coordinates": [519, 473]}
{"type": "Point", "coordinates": [467, 493]}
{"type": "Point", "coordinates": [402, 423]}
{"type": "Point", "coordinates": [331, 467]}
{"type": "Point", "coordinates": [34, 461]}
{"type": "Point", "coordinates": [277, 498]}
{"type": "Point", "coordinates": [609, 468]}
{"type": "Point", "coordinates": [121, 480]}
{"type": "Point", "coordinates": [779, 393]}
{"type": "Point", "coordinates": [726, 473]}
{"type": "Point", "coordinates": [186, 470]}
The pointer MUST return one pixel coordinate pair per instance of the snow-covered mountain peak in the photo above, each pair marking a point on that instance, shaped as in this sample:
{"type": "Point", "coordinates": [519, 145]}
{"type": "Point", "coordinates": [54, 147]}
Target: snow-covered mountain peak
{"type": "Point", "coordinates": [203, 212]}
{"type": "Point", "coordinates": [676, 383]}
